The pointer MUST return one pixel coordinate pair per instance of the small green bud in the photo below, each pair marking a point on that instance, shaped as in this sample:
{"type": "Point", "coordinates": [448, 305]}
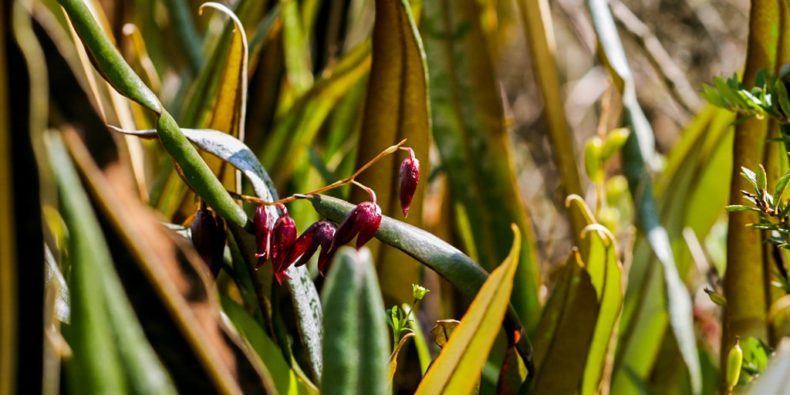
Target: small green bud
{"type": "Point", "coordinates": [593, 162]}
{"type": "Point", "coordinates": [614, 140]}
{"type": "Point", "coordinates": [734, 363]}
{"type": "Point", "coordinates": [716, 297]}
{"type": "Point", "coordinates": [418, 291]}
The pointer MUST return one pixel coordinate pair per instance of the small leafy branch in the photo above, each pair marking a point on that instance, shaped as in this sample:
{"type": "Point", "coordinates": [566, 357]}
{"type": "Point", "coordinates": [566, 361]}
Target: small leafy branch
{"type": "Point", "coordinates": [774, 214]}
{"type": "Point", "coordinates": [400, 320]}
{"type": "Point", "coordinates": [768, 97]}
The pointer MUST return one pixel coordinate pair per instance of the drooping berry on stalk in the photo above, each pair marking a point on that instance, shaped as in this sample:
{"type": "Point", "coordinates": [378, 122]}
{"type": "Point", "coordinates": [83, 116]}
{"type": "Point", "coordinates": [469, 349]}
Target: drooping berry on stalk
{"type": "Point", "coordinates": [282, 241]}
{"type": "Point", "coordinates": [264, 229]}
{"type": "Point", "coordinates": [409, 177]}
{"type": "Point", "coordinates": [319, 234]}
{"type": "Point", "coordinates": [363, 222]}
{"type": "Point", "coordinates": [208, 237]}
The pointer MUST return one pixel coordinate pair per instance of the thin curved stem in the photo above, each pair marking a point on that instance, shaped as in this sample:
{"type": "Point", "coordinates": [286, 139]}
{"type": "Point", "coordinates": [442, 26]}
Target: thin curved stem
{"type": "Point", "coordinates": [338, 183]}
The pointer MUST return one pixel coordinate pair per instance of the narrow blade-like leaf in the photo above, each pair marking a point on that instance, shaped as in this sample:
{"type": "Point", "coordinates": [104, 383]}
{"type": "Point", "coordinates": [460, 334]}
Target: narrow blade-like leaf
{"type": "Point", "coordinates": [471, 135]}
{"type": "Point", "coordinates": [356, 348]}
{"type": "Point", "coordinates": [457, 368]}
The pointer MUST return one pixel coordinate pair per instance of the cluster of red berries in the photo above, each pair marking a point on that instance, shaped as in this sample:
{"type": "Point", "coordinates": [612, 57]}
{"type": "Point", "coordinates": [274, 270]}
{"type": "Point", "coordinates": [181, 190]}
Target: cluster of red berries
{"type": "Point", "coordinates": [276, 237]}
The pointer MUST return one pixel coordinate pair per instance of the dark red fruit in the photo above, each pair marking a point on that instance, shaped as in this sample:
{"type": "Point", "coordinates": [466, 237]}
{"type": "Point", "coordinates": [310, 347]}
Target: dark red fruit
{"type": "Point", "coordinates": [409, 178]}
{"type": "Point", "coordinates": [282, 241]}
{"type": "Point", "coordinates": [363, 222]}
{"type": "Point", "coordinates": [208, 237]}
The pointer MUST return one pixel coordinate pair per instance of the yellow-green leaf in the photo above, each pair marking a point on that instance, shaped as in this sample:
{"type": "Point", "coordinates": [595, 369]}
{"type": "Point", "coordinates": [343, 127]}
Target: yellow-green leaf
{"type": "Point", "coordinates": [457, 368]}
{"type": "Point", "coordinates": [230, 107]}
{"type": "Point", "coordinates": [606, 276]}
{"type": "Point", "coordinates": [565, 331]}
{"type": "Point", "coordinates": [638, 158]}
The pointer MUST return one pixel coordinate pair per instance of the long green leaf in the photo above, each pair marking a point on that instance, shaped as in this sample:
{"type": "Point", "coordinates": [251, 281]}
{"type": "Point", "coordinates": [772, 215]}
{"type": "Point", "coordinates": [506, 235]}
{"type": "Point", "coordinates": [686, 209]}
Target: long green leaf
{"type": "Point", "coordinates": [471, 135]}
{"type": "Point", "coordinates": [638, 153]}
{"type": "Point", "coordinates": [458, 367]}
{"type": "Point", "coordinates": [191, 43]}
{"type": "Point", "coordinates": [296, 48]}
{"type": "Point", "coordinates": [96, 366]}
{"type": "Point", "coordinates": [356, 347]}
{"type": "Point", "coordinates": [396, 108]}
{"type": "Point", "coordinates": [107, 339]}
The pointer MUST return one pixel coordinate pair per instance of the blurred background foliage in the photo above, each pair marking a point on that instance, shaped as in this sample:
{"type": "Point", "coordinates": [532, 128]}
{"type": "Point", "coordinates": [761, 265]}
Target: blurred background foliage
{"type": "Point", "coordinates": [583, 124]}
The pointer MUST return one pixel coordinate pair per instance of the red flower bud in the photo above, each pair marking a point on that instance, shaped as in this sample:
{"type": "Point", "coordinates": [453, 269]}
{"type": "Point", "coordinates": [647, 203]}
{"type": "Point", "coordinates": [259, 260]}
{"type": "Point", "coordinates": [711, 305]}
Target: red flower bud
{"type": "Point", "coordinates": [264, 224]}
{"type": "Point", "coordinates": [318, 234]}
{"type": "Point", "coordinates": [282, 242]}
{"type": "Point", "coordinates": [363, 220]}
{"type": "Point", "coordinates": [409, 177]}
{"type": "Point", "coordinates": [208, 237]}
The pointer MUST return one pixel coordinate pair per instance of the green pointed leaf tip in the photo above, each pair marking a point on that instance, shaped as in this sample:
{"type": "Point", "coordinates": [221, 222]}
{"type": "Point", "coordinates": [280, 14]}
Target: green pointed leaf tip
{"type": "Point", "coordinates": [779, 190]}
{"type": "Point", "coordinates": [761, 178]}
